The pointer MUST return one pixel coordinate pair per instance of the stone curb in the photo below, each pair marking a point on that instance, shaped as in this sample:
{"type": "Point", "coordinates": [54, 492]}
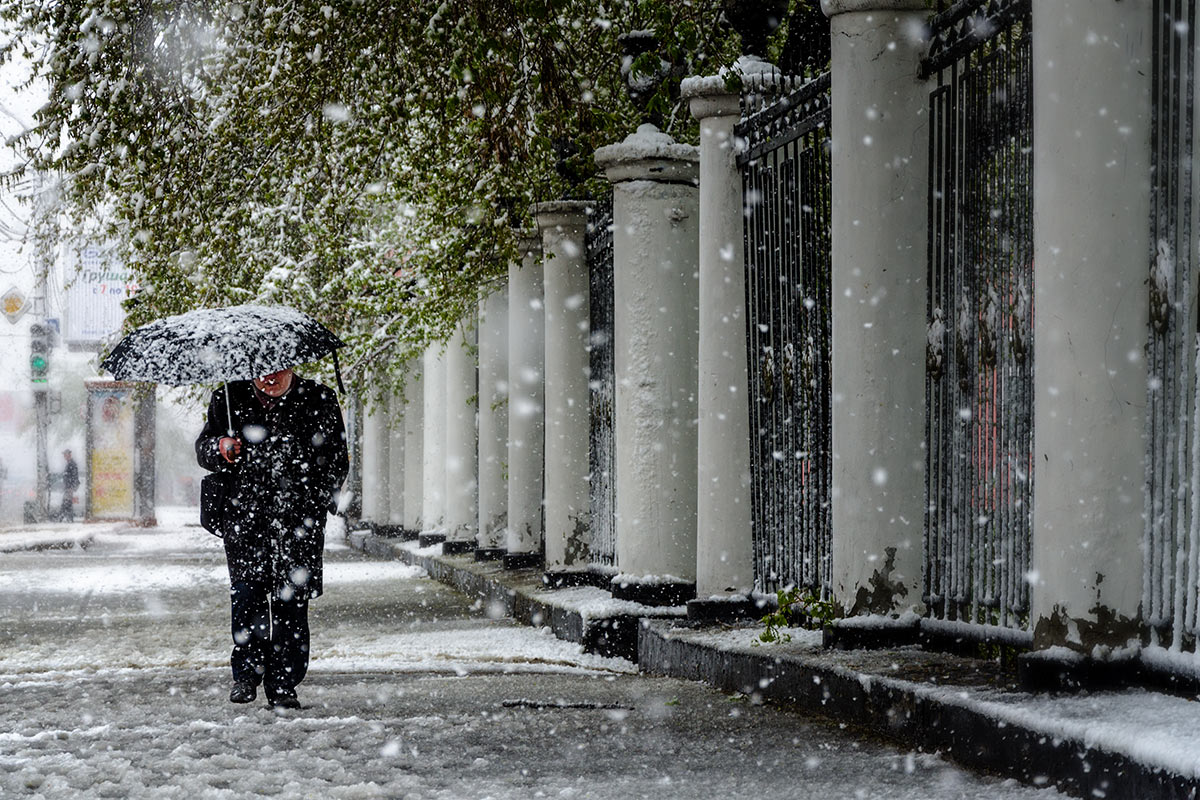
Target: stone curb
{"type": "Point", "coordinates": [522, 595]}
{"type": "Point", "coordinates": [912, 714]}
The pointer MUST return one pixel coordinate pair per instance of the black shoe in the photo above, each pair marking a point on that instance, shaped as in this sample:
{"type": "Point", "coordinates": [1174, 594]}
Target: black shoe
{"type": "Point", "coordinates": [284, 699]}
{"type": "Point", "coordinates": [243, 693]}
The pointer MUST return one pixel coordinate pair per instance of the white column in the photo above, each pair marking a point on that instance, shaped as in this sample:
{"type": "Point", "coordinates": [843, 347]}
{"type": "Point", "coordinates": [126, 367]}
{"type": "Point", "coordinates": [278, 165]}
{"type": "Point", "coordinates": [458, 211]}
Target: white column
{"type": "Point", "coordinates": [568, 404]}
{"type": "Point", "coordinates": [655, 266]}
{"type": "Point", "coordinates": [724, 548]}
{"type": "Point", "coordinates": [461, 446]}
{"type": "Point", "coordinates": [396, 476]}
{"type": "Point", "coordinates": [493, 422]}
{"type": "Point", "coordinates": [880, 186]}
{"type": "Point", "coordinates": [526, 420]}
{"type": "Point", "coordinates": [375, 456]}
{"type": "Point", "coordinates": [1091, 113]}
{"type": "Point", "coordinates": [414, 447]}
{"type": "Point", "coordinates": [434, 455]}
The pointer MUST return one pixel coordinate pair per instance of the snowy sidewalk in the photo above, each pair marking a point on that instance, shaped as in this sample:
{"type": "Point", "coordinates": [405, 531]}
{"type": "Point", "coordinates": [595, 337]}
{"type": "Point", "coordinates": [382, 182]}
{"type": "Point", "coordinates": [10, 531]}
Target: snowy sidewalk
{"type": "Point", "coordinates": [114, 680]}
{"type": "Point", "coordinates": [1133, 743]}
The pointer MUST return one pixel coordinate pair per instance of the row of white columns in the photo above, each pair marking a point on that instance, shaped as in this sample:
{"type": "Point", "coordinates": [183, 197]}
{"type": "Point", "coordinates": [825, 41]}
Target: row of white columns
{"type": "Point", "coordinates": [682, 438]}
{"type": "Point", "coordinates": [520, 490]}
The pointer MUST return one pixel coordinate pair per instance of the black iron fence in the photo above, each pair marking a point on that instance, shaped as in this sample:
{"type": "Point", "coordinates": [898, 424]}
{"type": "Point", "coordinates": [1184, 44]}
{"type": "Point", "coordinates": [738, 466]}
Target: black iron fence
{"type": "Point", "coordinates": [1172, 537]}
{"type": "Point", "coordinates": [599, 242]}
{"type": "Point", "coordinates": [786, 180]}
{"type": "Point", "coordinates": [979, 360]}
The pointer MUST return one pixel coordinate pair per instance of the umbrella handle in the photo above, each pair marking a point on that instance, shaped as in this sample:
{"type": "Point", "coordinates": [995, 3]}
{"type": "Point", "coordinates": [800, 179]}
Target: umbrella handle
{"type": "Point", "coordinates": [337, 371]}
{"type": "Point", "coordinates": [228, 410]}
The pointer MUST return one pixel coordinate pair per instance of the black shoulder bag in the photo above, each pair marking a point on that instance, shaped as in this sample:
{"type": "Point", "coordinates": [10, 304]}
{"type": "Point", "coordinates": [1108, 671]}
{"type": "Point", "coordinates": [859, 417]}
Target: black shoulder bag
{"type": "Point", "coordinates": [215, 488]}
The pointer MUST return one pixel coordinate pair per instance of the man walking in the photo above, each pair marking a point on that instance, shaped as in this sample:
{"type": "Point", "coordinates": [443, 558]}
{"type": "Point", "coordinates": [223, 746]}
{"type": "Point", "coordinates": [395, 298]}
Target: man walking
{"type": "Point", "coordinates": [286, 458]}
{"type": "Point", "coordinates": [70, 482]}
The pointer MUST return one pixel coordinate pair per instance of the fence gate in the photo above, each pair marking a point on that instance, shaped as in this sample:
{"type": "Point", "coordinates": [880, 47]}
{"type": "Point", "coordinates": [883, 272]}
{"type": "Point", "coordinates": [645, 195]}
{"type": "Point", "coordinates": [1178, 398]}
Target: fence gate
{"type": "Point", "coordinates": [1172, 539]}
{"type": "Point", "coordinates": [979, 359]}
{"type": "Point", "coordinates": [599, 243]}
{"type": "Point", "coordinates": [786, 182]}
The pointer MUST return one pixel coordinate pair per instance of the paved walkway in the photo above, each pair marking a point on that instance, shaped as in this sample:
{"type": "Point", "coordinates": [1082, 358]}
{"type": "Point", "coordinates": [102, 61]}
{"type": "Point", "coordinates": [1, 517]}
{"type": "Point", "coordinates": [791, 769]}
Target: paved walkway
{"type": "Point", "coordinates": [1133, 743]}
{"type": "Point", "coordinates": [113, 683]}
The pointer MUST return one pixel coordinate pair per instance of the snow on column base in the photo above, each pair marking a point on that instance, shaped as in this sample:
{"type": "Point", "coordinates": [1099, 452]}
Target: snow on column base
{"type": "Point", "coordinates": [1061, 669]}
{"type": "Point", "coordinates": [1072, 652]}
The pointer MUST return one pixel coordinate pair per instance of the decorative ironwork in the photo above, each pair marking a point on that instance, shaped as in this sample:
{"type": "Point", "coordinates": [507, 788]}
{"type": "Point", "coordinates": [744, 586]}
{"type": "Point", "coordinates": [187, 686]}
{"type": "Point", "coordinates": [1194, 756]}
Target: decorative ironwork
{"type": "Point", "coordinates": [1172, 537]}
{"type": "Point", "coordinates": [599, 244]}
{"type": "Point", "coordinates": [979, 357]}
{"type": "Point", "coordinates": [967, 26]}
{"type": "Point", "coordinates": [775, 124]}
{"type": "Point", "coordinates": [787, 190]}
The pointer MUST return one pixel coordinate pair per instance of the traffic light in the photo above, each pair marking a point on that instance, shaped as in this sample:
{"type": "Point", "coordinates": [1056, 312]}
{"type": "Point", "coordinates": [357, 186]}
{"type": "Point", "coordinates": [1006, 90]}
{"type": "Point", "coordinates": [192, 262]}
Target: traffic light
{"type": "Point", "coordinates": [41, 339]}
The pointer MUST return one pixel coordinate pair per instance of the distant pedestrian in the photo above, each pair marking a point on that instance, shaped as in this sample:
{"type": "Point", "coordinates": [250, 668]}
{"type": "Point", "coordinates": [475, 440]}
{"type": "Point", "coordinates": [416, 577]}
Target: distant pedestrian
{"type": "Point", "coordinates": [70, 482]}
{"type": "Point", "coordinates": [285, 460]}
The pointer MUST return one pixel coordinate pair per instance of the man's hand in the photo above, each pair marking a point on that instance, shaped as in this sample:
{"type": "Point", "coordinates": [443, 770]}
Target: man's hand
{"type": "Point", "coordinates": [230, 448]}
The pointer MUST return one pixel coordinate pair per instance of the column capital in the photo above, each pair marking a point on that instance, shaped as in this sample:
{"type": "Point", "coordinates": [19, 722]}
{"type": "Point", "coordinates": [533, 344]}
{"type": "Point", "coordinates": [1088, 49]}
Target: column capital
{"type": "Point", "coordinates": [710, 96]}
{"type": "Point", "coordinates": [561, 214]}
{"type": "Point", "coordinates": [835, 7]}
{"type": "Point", "coordinates": [651, 155]}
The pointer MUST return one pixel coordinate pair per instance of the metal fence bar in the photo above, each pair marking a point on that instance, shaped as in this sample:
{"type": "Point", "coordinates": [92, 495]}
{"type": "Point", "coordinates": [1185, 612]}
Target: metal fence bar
{"type": "Point", "coordinates": [602, 444]}
{"type": "Point", "coordinates": [786, 183]}
{"type": "Point", "coordinates": [1172, 536]}
{"type": "Point", "coordinates": [979, 313]}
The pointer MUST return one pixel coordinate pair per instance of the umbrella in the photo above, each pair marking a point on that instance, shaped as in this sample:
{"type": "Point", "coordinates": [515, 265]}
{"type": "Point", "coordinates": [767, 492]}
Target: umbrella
{"type": "Point", "coordinates": [211, 345]}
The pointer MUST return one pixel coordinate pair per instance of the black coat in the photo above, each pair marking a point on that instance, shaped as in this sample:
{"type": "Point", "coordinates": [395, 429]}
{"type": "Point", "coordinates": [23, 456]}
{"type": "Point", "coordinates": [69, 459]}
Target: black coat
{"type": "Point", "coordinates": [71, 476]}
{"type": "Point", "coordinates": [293, 462]}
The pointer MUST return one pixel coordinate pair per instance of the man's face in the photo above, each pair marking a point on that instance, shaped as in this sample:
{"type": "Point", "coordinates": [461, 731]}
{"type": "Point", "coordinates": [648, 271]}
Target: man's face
{"type": "Point", "coordinates": [275, 384]}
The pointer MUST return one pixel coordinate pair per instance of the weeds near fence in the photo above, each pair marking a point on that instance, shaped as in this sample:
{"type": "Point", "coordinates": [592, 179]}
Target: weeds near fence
{"type": "Point", "coordinates": [796, 608]}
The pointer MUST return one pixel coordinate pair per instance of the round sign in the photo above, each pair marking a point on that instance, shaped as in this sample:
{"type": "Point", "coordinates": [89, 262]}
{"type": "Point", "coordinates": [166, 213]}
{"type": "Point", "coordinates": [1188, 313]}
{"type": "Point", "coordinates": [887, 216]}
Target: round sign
{"type": "Point", "coordinates": [14, 304]}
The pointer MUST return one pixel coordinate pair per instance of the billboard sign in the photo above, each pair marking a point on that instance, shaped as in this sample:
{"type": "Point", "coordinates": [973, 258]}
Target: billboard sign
{"type": "Point", "coordinates": [111, 452]}
{"type": "Point", "coordinates": [120, 451]}
{"type": "Point", "coordinates": [92, 310]}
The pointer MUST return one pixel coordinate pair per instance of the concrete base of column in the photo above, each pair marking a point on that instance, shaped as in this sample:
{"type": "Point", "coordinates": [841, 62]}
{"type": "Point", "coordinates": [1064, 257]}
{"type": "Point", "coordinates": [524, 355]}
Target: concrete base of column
{"type": "Point", "coordinates": [490, 553]}
{"type": "Point", "coordinates": [458, 547]}
{"type": "Point", "coordinates": [724, 609]}
{"type": "Point", "coordinates": [880, 634]}
{"type": "Point", "coordinates": [601, 575]}
{"type": "Point", "coordinates": [1060, 670]}
{"type": "Point", "coordinates": [430, 539]}
{"type": "Point", "coordinates": [523, 560]}
{"type": "Point", "coordinates": [564, 578]}
{"type": "Point", "coordinates": [392, 531]}
{"type": "Point", "coordinates": [651, 593]}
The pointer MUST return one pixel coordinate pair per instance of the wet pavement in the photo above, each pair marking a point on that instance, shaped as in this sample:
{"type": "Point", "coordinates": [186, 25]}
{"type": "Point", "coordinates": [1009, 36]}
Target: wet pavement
{"type": "Point", "coordinates": [113, 684]}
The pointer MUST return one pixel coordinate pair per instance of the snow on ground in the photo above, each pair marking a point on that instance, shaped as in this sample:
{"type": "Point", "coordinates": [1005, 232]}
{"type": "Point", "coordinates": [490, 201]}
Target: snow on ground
{"type": "Point", "coordinates": [1154, 728]}
{"type": "Point", "coordinates": [114, 682]}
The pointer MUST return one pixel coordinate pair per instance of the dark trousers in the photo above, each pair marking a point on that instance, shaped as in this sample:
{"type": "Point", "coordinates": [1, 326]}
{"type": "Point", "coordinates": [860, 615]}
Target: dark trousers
{"type": "Point", "coordinates": [270, 637]}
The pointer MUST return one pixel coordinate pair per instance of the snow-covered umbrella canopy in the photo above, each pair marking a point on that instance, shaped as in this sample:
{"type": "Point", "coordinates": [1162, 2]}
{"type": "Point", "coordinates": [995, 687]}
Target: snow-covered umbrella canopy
{"type": "Point", "coordinates": [220, 344]}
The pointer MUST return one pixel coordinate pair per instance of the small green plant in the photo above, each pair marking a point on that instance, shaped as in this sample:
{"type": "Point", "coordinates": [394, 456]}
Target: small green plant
{"type": "Point", "coordinates": [796, 607]}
